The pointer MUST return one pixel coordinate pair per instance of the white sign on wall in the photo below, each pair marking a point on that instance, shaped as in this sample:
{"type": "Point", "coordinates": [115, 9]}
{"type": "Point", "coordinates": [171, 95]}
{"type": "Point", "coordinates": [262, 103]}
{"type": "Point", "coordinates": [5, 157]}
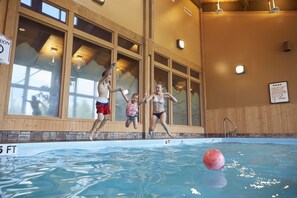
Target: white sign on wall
{"type": "Point", "coordinates": [278, 92]}
{"type": "Point", "coordinates": [5, 46]}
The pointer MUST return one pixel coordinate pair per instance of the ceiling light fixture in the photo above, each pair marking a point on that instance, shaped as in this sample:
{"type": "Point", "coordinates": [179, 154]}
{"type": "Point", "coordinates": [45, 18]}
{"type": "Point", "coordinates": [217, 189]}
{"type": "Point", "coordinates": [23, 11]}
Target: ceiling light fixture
{"type": "Point", "coordinates": [219, 10]}
{"type": "Point", "coordinates": [273, 9]}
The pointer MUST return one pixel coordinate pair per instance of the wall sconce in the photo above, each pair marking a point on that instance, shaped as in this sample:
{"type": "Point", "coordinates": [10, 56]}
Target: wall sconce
{"type": "Point", "coordinates": [54, 52]}
{"type": "Point", "coordinates": [273, 9]}
{"type": "Point", "coordinates": [287, 46]}
{"type": "Point", "coordinates": [80, 62]}
{"type": "Point", "coordinates": [180, 44]}
{"type": "Point", "coordinates": [219, 10]}
{"type": "Point", "coordinates": [240, 69]}
{"type": "Point", "coordinates": [101, 2]}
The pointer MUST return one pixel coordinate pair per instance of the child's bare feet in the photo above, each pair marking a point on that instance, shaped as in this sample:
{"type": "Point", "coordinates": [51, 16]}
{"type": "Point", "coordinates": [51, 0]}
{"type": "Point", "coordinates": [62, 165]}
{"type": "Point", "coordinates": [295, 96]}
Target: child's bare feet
{"type": "Point", "coordinates": [170, 135]}
{"type": "Point", "coordinates": [91, 136]}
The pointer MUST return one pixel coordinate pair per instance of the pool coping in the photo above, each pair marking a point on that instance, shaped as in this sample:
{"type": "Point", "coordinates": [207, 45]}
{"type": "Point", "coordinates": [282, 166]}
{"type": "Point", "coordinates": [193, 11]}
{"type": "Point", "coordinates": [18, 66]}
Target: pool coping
{"type": "Point", "coordinates": [27, 149]}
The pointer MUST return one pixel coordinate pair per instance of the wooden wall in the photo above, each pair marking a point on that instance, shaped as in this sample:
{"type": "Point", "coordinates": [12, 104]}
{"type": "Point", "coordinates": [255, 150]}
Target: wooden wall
{"type": "Point", "coordinates": [267, 119]}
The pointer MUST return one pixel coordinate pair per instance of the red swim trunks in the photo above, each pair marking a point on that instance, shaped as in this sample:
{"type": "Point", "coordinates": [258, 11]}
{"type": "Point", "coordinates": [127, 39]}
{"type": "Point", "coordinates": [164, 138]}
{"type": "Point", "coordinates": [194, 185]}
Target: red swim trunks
{"type": "Point", "coordinates": [102, 108]}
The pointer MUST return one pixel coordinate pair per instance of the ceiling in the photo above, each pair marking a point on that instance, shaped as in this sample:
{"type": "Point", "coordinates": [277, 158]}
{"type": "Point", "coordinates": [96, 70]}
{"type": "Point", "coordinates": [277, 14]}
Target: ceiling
{"type": "Point", "coordinates": [245, 5]}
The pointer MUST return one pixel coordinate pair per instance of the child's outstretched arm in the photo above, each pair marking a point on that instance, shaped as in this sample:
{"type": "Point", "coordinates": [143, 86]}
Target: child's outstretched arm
{"type": "Point", "coordinates": [107, 72]}
{"type": "Point", "coordinates": [143, 99]}
{"type": "Point", "coordinates": [114, 90]}
{"type": "Point", "coordinates": [124, 96]}
{"type": "Point", "coordinates": [147, 99]}
{"type": "Point", "coordinates": [170, 97]}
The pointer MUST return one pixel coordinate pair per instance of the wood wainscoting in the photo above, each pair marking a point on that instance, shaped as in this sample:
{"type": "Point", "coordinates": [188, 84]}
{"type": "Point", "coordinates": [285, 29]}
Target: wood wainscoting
{"type": "Point", "coordinates": [267, 119]}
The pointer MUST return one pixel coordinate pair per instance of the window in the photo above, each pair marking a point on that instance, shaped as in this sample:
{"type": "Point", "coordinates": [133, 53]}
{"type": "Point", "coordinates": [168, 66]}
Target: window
{"type": "Point", "coordinates": [131, 46]}
{"type": "Point", "coordinates": [179, 67]}
{"type": "Point", "coordinates": [88, 63]}
{"type": "Point", "coordinates": [46, 9]}
{"type": "Point", "coordinates": [194, 74]}
{"type": "Point", "coordinates": [36, 76]}
{"type": "Point", "coordinates": [27, 2]}
{"type": "Point", "coordinates": [92, 29]}
{"type": "Point", "coordinates": [161, 59]}
{"type": "Point", "coordinates": [161, 76]}
{"type": "Point", "coordinates": [195, 104]}
{"type": "Point", "coordinates": [127, 75]}
{"type": "Point", "coordinates": [180, 109]}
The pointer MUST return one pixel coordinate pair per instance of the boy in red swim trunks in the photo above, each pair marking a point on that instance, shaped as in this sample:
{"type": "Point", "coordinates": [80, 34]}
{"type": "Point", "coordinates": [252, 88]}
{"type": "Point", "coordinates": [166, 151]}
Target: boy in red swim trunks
{"type": "Point", "coordinates": [102, 104]}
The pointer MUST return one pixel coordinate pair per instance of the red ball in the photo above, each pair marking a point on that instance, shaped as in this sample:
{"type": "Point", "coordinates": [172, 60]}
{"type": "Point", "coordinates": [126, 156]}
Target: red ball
{"type": "Point", "coordinates": [214, 159]}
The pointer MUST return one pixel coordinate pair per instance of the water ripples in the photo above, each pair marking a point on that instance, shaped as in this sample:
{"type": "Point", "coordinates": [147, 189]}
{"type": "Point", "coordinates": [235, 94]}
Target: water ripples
{"type": "Point", "coordinates": [176, 171]}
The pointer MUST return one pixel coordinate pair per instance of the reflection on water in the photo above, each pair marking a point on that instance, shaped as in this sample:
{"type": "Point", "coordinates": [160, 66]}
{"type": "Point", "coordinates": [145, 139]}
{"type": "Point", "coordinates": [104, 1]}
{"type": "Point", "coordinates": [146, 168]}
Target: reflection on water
{"type": "Point", "coordinates": [215, 179]}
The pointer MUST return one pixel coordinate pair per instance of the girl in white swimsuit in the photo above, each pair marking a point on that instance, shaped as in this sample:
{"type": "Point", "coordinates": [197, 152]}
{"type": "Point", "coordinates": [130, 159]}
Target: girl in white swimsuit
{"type": "Point", "coordinates": [159, 111]}
{"type": "Point", "coordinates": [161, 101]}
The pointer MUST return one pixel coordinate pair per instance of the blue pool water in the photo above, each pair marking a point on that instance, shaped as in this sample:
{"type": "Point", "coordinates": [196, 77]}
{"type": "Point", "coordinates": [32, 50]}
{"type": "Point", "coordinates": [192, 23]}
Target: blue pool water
{"type": "Point", "coordinates": [151, 169]}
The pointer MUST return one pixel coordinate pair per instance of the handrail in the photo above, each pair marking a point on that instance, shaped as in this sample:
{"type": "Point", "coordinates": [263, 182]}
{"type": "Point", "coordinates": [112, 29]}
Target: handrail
{"type": "Point", "coordinates": [225, 127]}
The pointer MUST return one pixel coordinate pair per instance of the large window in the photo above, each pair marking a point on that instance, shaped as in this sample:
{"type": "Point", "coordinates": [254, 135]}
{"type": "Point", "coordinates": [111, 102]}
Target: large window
{"type": "Point", "coordinates": [195, 104]}
{"type": "Point", "coordinates": [127, 75]}
{"type": "Point", "coordinates": [180, 78]}
{"type": "Point", "coordinates": [180, 110]}
{"type": "Point", "coordinates": [88, 63]}
{"type": "Point", "coordinates": [36, 76]}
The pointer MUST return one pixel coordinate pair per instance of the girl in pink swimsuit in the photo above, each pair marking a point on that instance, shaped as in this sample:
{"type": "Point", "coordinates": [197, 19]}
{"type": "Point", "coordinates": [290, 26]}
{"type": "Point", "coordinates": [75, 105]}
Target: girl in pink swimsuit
{"type": "Point", "coordinates": [132, 109]}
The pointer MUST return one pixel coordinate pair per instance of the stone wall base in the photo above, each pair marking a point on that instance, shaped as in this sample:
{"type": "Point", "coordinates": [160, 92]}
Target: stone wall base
{"type": "Point", "coordinates": [45, 136]}
{"type": "Point", "coordinates": [42, 136]}
{"type": "Point", "coordinates": [253, 135]}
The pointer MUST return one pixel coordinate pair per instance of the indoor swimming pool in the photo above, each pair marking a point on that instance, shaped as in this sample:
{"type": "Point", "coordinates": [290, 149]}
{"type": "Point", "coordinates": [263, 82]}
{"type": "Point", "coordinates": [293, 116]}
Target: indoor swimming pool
{"type": "Point", "coordinates": [254, 167]}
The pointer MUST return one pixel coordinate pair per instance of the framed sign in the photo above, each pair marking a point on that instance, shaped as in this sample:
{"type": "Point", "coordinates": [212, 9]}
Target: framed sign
{"type": "Point", "coordinates": [278, 92]}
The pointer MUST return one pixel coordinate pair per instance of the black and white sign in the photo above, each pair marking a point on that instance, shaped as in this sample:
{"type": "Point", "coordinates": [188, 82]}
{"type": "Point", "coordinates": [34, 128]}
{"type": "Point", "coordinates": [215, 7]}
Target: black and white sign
{"type": "Point", "coordinates": [278, 92]}
{"type": "Point", "coordinates": [8, 149]}
{"type": "Point", "coordinates": [5, 47]}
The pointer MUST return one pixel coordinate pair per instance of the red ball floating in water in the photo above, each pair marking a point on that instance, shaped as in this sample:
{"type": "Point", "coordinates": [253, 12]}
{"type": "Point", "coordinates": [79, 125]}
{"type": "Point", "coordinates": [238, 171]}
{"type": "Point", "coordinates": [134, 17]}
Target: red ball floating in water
{"type": "Point", "coordinates": [214, 159]}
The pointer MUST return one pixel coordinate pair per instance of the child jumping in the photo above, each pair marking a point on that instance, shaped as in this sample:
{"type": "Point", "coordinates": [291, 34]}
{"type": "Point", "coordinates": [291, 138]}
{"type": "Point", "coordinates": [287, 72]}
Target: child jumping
{"type": "Point", "coordinates": [132, 108]}
{"type": "Point", "coordinates": [102, 104]}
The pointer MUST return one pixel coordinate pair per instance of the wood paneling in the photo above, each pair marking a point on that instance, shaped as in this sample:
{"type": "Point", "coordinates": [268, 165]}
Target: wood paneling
{"type": "Point", "coordinates": [273, 119]}
{"type": "Point", "coordinates": [26, 123]}
{"type": "Point", "coordinates": [3, 9]}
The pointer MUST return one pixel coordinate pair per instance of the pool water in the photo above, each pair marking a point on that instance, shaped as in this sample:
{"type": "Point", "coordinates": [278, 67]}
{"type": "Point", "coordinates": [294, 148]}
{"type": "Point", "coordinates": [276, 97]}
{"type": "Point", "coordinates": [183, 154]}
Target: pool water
{"type": "Point", "coordinates": [251, 170]}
